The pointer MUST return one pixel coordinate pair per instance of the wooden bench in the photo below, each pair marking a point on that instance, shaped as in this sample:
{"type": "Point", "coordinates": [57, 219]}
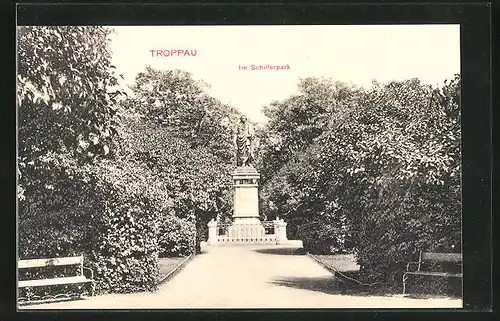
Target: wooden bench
{"type": "Point", "coordinates": [79, 278]}
{"type": "Point", "coordinates": [429, 257]}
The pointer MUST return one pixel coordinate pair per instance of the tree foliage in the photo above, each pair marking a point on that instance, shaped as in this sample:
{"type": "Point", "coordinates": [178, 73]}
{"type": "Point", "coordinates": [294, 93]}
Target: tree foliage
{"type": "Point", "coordinates": [74, 196]}
{"type": "Point", "coordinates": [66, 97]}
{"type": "Point", "coordinates": [297, 121]}
{"type": "Point", "coordinates": [177, 102]}
{"type": "Point", "coordinates": [381, 178]}
{"type": "Point", "coordinates": [110, 212]}
{"type": "Point", "coordinates": [184, 135]}
{"type": "Point", "coordinates": [110, 179]}
{"type": "Point", "coordinates": [375, 172]}
{"type": "Point", "coordinates": [66, 93]}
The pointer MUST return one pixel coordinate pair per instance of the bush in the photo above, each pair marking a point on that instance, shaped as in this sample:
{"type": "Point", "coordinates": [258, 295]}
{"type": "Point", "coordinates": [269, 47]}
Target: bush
{"type": "Point", "coordinates": [405, 167]}
{"type": "Point", "coordinates": [177, 237]}
{"type": "Point", "coordinates": [108, 212]}
{"type": "Point", "coordinates": [67, 101]}
{"type": "Point", "coordinates": [126, 252]}
{"type": "Point", "coordinates": [121, 213]}
{"type": "Point", "coordinates": [57, 216]}
{"type": "Point", "coordinates": [393, 232]}
{"type": "Point", "coordinates": [381, 179]}
{"type": "Point", "coordinates": [94, 182]}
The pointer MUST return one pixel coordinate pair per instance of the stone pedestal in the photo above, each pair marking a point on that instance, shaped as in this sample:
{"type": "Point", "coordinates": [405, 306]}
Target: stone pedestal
{"type": "Point", "coordinates": [246, 221]}
{"type": "Point", "coordinates": [212, 232]}
{"type": "Point", "coordinates": [246, 194]}
{"type": "Point", "coordinates": [280, 231]}
{"type": "Point", "coordinates": [246, 227]}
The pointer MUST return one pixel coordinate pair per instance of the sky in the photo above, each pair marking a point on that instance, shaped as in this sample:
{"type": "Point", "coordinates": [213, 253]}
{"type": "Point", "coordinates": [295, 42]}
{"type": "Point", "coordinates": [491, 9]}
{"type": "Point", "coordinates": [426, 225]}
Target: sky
{"type": "Point", "coordinates": [352, 54]}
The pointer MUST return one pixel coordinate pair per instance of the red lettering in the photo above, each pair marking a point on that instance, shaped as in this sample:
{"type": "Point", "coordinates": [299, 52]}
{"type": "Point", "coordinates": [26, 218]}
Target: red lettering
{"type": "Point", "coordinates": [171, 52]}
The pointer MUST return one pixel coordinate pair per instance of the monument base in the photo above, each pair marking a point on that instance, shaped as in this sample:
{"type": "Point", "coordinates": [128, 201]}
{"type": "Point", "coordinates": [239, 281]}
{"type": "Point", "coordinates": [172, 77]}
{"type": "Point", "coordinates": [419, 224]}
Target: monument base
{"type": "Point", "coordinates": [247, 228]}
{"type": "Point", "coordinates": [250, 231]}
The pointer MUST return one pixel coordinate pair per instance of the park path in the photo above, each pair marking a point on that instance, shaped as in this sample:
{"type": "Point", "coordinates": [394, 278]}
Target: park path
{"type": "Point", "coordinates": [249, 277]}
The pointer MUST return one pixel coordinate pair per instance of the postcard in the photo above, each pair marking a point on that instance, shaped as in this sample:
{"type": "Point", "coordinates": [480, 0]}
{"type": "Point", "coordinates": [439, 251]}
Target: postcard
{"type": "Point", "coordinates": [254, 167]}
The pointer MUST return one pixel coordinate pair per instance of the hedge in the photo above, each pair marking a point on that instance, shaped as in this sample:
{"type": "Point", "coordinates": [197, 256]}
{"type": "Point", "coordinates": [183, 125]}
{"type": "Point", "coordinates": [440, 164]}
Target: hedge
{"type": "Point", "coordinates": [109, 212]}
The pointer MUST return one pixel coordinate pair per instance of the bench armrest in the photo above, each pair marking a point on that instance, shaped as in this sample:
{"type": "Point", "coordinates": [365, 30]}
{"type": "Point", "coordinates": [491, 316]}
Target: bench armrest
{"type": "Point", "coordinates": [410, 264]}
{"type": "Point", "coordinates": [91, 272]}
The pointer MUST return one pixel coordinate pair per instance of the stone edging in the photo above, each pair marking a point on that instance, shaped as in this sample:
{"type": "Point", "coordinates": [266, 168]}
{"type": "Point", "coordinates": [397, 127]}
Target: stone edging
{"type": "Point", "coordinates": [335, 273]}
{"type": "Point", "coordinates": [176, 270]}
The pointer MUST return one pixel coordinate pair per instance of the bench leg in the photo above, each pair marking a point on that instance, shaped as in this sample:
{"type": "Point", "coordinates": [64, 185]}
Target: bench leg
{"type": "Point", "coordinates": [405, 277]}
{"type": "Point", "coordinates": [86, 290]}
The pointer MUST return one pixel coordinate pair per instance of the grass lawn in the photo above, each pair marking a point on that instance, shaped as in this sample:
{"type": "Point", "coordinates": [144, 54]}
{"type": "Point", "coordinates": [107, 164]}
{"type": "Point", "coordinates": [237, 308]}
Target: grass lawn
{"type": "Point", "coordinates": [340, 262]}
{"type": "Point", "coordinates": [347, 266]}
{"type": "Point", "coordinates": [168, 264]}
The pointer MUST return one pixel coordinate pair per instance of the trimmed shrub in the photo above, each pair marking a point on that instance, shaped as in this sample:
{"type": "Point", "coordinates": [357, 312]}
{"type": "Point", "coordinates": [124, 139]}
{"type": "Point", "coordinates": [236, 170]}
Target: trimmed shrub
{"type": "Point", "coordinates": [380, 180]}
{"type": "Point", "coordinates": [58, 212]}
{"type": "Point", "coordinates": [126, 253]}
{"type": "Point", "coordinates": [177, 237]}
{"type": "Point", "coordinates": [109, 213]}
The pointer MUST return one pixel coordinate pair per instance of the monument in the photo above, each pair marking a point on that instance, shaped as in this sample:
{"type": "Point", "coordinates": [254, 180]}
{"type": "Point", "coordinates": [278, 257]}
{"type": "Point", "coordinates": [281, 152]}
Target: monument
{"type": "Point", "coordinates": [246, 220]}
{"type": "Point", "coordinates": [246, 226]}
{"type": "Point", "coordinates": [244, 141]}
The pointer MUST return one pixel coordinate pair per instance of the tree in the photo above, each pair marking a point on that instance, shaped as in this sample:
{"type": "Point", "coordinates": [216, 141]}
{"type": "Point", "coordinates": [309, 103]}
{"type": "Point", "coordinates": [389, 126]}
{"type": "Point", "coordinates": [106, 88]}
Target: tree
{"type": "Point", "coordinates": [380, 180]}
{"type": "Point", "coordinates": [298, 120]}
{"type": "Point", "coordinates": [184, 136]}
{"type": "Point", "coordinates": [174, 100]}
{"type": "Point", "coordinates": [66, 97]}
{"type": "Point", "coordinates": [75, 195]}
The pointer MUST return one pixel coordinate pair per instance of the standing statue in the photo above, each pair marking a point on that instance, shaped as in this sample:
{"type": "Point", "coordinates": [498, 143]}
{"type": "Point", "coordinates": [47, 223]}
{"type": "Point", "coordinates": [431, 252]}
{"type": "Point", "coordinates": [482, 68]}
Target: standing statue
{"type": "Point", "coordinates": [244, 143]}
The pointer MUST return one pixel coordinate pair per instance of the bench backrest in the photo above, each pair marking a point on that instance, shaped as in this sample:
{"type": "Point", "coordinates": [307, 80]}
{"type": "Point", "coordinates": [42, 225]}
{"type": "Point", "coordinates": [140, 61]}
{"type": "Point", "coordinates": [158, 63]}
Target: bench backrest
{"type": "Point", "coordinates": [26, 264]}
{"type": "Point", "coordinates": [441, 257]}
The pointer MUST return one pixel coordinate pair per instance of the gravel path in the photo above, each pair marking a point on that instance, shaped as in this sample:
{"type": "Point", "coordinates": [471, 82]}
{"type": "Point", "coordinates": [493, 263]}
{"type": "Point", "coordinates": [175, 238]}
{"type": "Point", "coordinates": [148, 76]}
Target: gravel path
{"type": "Point", "coordinates": [249, 277]}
